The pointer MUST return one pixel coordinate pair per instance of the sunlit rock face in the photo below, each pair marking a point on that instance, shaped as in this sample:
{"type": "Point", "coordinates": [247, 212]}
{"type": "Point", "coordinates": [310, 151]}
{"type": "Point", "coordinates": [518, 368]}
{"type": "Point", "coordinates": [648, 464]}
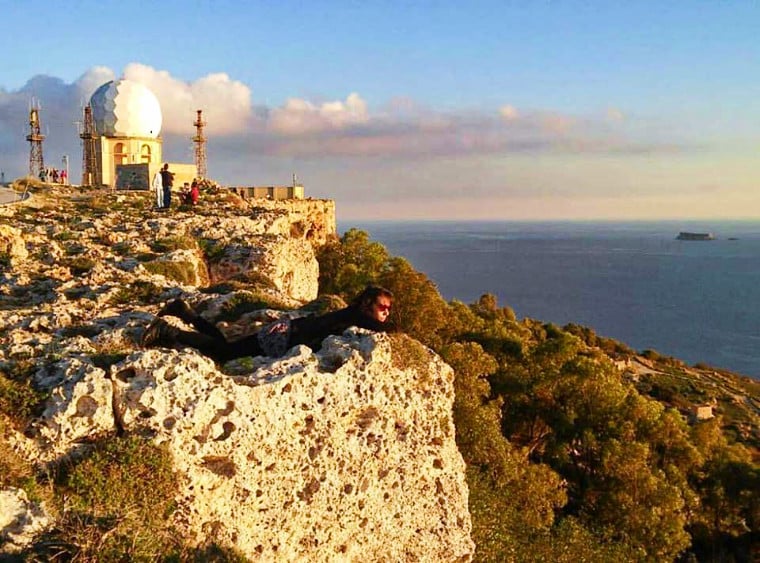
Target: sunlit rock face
{"type": "Point", "coordinates": [344, 454]}
{"type": "Point", "coordinates": [339, 455]}
{"type": "Point", "coordinates": [12, 245]}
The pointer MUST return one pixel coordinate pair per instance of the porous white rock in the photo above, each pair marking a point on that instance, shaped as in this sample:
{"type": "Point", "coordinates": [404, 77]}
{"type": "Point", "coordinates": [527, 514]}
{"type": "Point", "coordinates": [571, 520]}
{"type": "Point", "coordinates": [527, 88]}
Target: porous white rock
{"type": "Point", "coordinates": [342, 455]}
{"type": "Point", "coordinates": [80, 406]}
{"type": "Point", "coordinates": [20, 520]}
{"type": "Point", "coordinates": [336, 456]}
{"type": "Point", "coordinates": [289, 264]}
{"type": "Point", "coordinates": [12, 244]}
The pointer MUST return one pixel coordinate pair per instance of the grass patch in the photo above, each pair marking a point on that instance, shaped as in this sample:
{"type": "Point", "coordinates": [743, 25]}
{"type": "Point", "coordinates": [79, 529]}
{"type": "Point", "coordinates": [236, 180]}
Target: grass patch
{"type": "Point", "coordinates": [182, 272]}
{"type": "Point", "coordinates": [146, 256]}
{"type": "Point", "coordinates": [88, 331]}
{"type": "Point", "coordinates": [141, 292]}
{"type": "Point", "coordinates": [212, 250]}
{"type": "Point", "coordinates": [19, 400]}
{"type": "Point", "coordinates": [15, 470]}
{"type": "Point", "coordinates": [171, 244]}
{"type": "Point", "coordinates": [248, 281]}
{"type": "Point", "coordinates": [115, 504]}
{"type": "Point", "coordinates": [121, 248]}
{"type": "Point", "coordinates": [245, 302]}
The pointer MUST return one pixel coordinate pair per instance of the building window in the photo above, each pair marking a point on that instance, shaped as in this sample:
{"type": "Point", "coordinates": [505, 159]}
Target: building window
{"type": "Point", "coordinates": [145, 154]}
{"type": "Point", "coordinates": [119, 154]}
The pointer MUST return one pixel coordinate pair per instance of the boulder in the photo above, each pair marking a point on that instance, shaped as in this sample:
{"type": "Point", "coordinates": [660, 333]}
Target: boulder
{"type": "Point", "coordinates": [340, 455]}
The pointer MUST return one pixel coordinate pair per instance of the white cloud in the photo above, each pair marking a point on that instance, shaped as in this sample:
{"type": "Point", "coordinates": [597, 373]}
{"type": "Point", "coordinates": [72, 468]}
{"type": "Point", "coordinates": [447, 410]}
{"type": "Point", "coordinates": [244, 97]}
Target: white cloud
{"type": "Point", "coordinates": [299, 116]}
{"type": "Point", "coordinates": [300, 129]}
{"type": "Point", "coordinates": [92, 80]}
{"type": "Point", "coordinates": [226, 103]}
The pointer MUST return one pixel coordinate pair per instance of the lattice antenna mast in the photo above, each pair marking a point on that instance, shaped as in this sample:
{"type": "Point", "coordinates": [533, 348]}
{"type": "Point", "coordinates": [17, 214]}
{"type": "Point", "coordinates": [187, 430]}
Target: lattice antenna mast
{"type": "Point", "coordinates": [35, 138]}
{"type": "Point", "coordinates": [90, 171]}
{"type": "Point", "coordinates": [200, 145]}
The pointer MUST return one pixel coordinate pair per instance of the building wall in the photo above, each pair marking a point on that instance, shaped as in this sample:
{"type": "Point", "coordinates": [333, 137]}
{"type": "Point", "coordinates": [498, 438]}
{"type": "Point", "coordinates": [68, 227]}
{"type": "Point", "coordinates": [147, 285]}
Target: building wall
{"type": "Point", "coordinates": [182, 173]}
{"type": "Point", "coordinates": [140, 176]}
{"type": "Point", "coordinates": [276, 193]}
{"type": "Point", "coordinates": [114, 151]}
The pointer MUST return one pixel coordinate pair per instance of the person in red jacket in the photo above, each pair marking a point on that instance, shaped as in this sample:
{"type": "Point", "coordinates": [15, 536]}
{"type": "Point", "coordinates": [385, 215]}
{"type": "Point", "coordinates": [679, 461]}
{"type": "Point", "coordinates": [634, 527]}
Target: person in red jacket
{"type": "Point", "coordinates": [370, 309]}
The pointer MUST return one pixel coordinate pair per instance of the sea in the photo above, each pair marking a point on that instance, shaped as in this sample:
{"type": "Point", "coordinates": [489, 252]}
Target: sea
{"type": "Point", "coordinates": [698, 301]}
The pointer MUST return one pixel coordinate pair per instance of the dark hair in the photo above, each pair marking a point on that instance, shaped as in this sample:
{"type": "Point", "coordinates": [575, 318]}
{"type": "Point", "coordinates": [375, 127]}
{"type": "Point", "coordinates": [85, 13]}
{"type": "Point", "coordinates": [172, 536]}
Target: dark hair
{"type": "Point", "coordinates": [367, 298]}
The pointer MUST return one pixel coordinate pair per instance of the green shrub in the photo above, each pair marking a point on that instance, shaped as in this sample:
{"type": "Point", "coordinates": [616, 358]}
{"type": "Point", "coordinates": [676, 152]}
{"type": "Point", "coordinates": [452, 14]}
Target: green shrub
{"type": "Point", "coordinates": [183, 242]}
{"type": "Point", "coordinates": [121, 248]}
{"type": "Point", "coordinates": [141, 292]}
{"type": "Point", "coordinates": [213, 250]}
{"type": "Point", "coordinates": [182, 272]}
{"type": "Point", "coordinates": [15, 470]}
{"type": "Point", "coordinates": [18, 399]}
{"type": "Point", "coordinates": [244, 302]}
{"type": "Point", "coordinates": [116, 503]}
{"type": "Point", "coordinates": [65, 235]}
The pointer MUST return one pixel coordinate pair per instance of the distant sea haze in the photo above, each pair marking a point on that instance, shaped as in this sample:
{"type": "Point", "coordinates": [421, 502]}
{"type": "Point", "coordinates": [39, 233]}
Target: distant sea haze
{"type": "Point", "coordinates": [698, 301]}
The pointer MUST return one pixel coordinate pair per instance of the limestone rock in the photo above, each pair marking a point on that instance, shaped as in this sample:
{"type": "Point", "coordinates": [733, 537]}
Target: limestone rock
{"type": "Point", "coordinates": [20, 520]}
{"type": "Point", "coordinates": [339, 455]}
{"type": "Point", "coordinates": [12, 244]}
{"type": "Point", "coordinates": [289, 264]}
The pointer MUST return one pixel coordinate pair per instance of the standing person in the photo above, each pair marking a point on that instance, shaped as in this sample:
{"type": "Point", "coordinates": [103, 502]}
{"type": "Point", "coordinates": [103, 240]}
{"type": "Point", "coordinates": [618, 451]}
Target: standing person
{"type": "Point", "coordinates": [167, 178]}
{"type": "Point", "coordinates": [64, 177]}
{"type": "Point", "coordinates": [158, 187]}
{"type": "Point", "coordinates": [370, 309]}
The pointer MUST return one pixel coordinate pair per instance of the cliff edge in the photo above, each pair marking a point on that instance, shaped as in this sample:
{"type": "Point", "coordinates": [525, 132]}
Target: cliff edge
{"type": "Point", "coordinates": [345, 454]}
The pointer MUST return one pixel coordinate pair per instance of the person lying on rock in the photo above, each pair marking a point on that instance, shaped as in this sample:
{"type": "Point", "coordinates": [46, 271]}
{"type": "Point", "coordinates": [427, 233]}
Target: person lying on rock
{"type": "Point", "coordinates": [370, 309]}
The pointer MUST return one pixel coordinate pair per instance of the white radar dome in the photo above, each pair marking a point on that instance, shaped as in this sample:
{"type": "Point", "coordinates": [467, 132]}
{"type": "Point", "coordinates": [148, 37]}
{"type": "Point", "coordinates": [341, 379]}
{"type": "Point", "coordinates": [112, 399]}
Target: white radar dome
{"type": "Point", "coordinates": [124, 108]}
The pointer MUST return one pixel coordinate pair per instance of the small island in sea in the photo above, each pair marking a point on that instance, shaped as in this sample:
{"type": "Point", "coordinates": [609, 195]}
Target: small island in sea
{"type": "Point", "coordinates": [686, 235]}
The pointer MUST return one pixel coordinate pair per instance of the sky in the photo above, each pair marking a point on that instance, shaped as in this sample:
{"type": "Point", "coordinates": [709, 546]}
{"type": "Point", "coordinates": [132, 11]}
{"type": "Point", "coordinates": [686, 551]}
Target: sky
{"type": "Point", "coordinates": [419, 110]}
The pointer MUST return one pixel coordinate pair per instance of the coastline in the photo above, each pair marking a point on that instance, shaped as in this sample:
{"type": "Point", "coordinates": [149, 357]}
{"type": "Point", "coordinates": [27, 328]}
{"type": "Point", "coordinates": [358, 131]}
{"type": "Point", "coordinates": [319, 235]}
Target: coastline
{"type": "Point", "coordinates": [631, 281]}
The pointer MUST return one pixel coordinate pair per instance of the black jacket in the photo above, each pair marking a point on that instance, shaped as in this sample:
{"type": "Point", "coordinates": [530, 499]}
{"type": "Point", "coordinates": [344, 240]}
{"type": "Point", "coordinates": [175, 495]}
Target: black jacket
{"type": "Point", "coordinates": [314, 329]}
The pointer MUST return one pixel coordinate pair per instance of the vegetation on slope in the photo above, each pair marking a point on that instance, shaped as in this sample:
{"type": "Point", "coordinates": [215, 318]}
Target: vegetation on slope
{"type": "Point", "coordinates": [570, 457]}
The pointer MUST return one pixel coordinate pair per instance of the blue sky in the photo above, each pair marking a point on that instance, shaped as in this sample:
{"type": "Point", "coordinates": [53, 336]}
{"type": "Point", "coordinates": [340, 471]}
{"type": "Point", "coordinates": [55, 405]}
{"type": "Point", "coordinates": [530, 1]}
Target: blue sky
{"type": "Point", "coordinates": [516, 110]}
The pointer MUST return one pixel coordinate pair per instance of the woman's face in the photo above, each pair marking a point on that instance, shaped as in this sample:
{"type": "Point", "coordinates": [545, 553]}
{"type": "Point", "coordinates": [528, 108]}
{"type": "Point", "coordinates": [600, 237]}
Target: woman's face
{"type": "Point", "coordinates": [381, 308]}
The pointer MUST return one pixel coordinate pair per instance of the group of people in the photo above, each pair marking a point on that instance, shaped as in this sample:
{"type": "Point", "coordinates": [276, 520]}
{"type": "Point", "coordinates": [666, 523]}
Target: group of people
{"type": "Point", "coordinates": [162, 184]}
{"type": "Point", "coordinates": [370, 310]}
{"type": "Point", "coordinates": [54, 176]}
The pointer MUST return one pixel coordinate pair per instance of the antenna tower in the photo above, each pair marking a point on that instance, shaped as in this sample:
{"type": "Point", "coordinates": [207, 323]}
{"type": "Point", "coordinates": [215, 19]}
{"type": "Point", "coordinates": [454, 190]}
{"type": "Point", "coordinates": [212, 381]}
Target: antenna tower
{"type": "Point", "coordinates": [200, 145]}
{"type": "Point", "coordinates": [35, 138]}
{"type": "Point", "coordinates": [90, 176]}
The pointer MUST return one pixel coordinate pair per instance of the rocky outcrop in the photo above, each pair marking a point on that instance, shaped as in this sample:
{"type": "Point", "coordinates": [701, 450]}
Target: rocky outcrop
{"type": "Point", "coordinates": [289, 264]}
{"type": "Point", "coordinates": [344, 454]}
{"type": "Point", "coordinates": [340, 455]}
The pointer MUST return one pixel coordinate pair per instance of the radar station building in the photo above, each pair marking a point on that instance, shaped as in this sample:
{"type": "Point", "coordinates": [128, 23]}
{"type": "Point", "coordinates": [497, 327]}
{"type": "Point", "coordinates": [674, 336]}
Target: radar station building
{"type": "Point", "coordinates": [126, 143]}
